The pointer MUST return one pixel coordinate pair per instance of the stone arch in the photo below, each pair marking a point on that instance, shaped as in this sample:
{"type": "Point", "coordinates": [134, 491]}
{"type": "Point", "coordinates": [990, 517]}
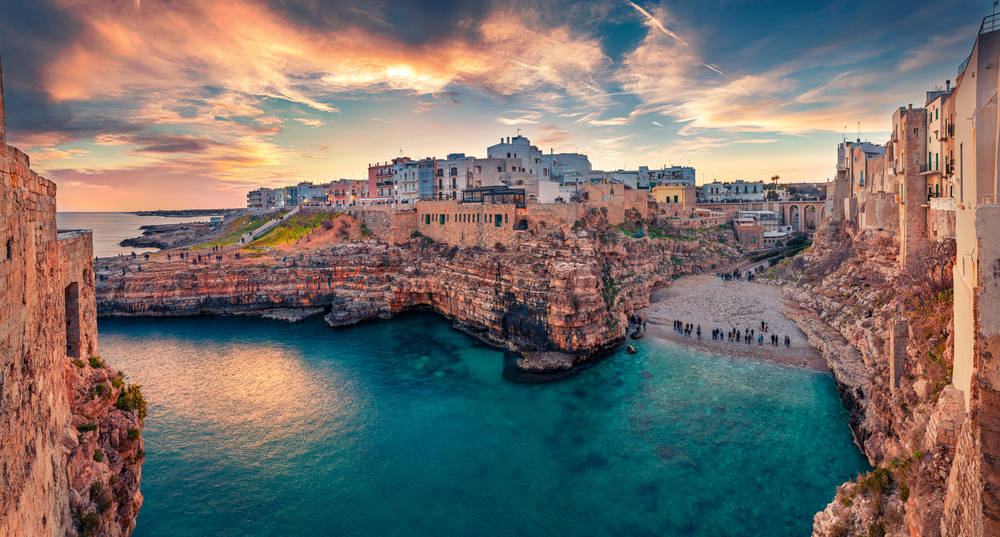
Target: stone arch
{"type": "Point", "coordinates": [795, 217]}
{"type": "Point", "coordinates": [810, 218]}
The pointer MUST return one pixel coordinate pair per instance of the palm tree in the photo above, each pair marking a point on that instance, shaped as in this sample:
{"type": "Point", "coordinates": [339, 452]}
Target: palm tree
{"type": "Point", "coordinates": [774, 179]}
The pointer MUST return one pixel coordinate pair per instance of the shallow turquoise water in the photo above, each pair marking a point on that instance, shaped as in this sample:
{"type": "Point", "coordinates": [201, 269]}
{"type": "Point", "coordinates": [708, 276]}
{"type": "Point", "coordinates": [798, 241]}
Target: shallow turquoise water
{"type": "Point", "coordinates": [408, 428]}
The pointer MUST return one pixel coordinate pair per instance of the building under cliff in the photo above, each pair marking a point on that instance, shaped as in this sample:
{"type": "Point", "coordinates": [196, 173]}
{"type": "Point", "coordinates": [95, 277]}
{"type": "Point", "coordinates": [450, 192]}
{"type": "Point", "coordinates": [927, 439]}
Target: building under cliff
{"type": "Point", "coordinates": [70, 448]}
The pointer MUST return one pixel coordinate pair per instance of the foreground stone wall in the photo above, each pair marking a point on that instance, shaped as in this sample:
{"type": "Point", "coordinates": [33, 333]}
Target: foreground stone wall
{"type": "Point", "coordinates": [52, 482]}
{"type": "Point", "coordinates": [33, 403]}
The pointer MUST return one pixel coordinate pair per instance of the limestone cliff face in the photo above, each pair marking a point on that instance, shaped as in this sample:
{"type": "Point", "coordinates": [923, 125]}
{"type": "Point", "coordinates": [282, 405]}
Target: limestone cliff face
{"type": "Point", "coordinates": [887, 335]}
{"type": "Point", "coordinates": [561, 290]}
{"type": "Point", "coordinates": [104, 451]}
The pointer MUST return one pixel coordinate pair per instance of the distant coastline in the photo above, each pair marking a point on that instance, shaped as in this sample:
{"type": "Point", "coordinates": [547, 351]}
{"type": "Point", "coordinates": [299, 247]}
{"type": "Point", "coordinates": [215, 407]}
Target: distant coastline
{"type": "Point", "coordinates": [184, 212]}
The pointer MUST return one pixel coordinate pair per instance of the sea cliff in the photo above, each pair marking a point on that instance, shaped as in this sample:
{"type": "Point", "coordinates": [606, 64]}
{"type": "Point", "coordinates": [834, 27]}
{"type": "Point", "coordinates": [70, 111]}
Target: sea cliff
{"type": "Point", "coordinates": [560, 290]}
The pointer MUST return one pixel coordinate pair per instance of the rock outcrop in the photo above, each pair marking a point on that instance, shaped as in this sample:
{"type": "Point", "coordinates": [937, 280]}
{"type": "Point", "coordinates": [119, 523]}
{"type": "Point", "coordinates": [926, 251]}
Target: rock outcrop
{"type": "Point", "coordinates": [887, 336]}
{"type": "Point", "coordinates": [104, 449]}
{"type": "Point", "coordinates": [563, 291]}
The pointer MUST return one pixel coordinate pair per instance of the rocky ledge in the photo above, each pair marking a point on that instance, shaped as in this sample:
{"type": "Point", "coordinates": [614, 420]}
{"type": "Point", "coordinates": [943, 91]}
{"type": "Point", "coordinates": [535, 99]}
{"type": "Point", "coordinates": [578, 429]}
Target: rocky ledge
{"type": "Point", "coordinates": [104, 449]}
{"type": "Point", "coordinates": [559, 291]}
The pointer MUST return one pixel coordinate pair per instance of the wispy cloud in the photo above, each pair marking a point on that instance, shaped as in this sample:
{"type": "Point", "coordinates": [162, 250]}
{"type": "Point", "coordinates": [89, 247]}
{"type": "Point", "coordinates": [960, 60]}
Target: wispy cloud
{"type": "Point", "coordinates": [314, 123]}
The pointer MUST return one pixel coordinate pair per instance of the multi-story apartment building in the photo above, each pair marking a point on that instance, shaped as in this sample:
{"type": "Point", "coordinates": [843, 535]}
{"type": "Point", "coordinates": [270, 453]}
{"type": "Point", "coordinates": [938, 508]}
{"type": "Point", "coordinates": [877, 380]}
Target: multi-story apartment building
{"type": "Point", "coordinates": [528, 157]}
{"type": "Point", "coordinates": [381, 186]}
{"type": "Point", "coordinates": [347, 191]}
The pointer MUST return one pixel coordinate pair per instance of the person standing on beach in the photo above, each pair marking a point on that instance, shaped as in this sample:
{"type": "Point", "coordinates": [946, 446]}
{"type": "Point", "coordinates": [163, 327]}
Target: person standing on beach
{"type": "Point", "coordinates": [699, 331]}
{"type": "Point", "coordinates": [788, 342]}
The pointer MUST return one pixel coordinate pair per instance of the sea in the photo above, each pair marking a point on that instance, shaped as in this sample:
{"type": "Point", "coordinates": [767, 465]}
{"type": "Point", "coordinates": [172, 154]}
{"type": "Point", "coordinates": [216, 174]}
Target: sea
{"type": "Point", "coordinates": [112, 228]}
{"type": "Point", "coordinates": [410, 428]}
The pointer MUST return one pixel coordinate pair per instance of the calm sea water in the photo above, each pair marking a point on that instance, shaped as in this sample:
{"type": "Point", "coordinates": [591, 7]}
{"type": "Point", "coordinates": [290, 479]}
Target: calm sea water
{"type": "Point", "coordinates": [112, 228]}
{"type": "Point", "coordinates": [408, 428]}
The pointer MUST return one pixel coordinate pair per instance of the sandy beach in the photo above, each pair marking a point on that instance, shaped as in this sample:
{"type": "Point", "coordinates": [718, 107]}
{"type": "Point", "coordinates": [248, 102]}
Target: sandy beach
{"type": "Point", "coordinates": [714, 303]}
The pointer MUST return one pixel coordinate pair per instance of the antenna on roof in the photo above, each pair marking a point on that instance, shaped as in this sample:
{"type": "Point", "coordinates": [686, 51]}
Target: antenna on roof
{"type": "Point", "coordinates": [400, 151]}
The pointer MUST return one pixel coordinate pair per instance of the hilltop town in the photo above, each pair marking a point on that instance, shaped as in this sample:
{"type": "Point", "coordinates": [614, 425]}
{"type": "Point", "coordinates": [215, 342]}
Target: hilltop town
{"type": "Point", "coordinates": [890, 272]}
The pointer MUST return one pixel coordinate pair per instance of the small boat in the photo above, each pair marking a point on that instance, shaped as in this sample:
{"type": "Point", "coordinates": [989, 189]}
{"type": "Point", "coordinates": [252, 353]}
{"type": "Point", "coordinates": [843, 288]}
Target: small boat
{"type": "Point", "coordinates": [637, 335]}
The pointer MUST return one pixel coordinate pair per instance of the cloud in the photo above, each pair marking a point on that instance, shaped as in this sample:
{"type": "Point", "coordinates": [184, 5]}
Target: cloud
{"type": "Point", "coordinates": [654, 22]}
{"type": "Point", "coordinates": [314, 123]}
{"type": "Point", "coordinates": [938, 48]}
{"type": "Point", "coordinates": [551, 135]}
{"type": "Point", "coordinates": [526, 117]}
{"type": "Point", "coordinates": [657, 124]}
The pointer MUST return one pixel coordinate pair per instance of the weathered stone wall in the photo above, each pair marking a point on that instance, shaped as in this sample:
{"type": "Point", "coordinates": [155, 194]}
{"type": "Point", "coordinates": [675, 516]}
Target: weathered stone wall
{"type": "Point", "coordinates": [941, 224]}
{"type": "Point", "coordinates": [48, 469]}
{"type": "Point", "coordinates": [470, 224]}
{"type": "Point", "coordinates": [33, 403]}
{"type": "Point", "coordinates": [881, 212]}
{"type": "Point", "coordinates": [972, 507]}
{"type": "Point", "coordinates": [390, 224]}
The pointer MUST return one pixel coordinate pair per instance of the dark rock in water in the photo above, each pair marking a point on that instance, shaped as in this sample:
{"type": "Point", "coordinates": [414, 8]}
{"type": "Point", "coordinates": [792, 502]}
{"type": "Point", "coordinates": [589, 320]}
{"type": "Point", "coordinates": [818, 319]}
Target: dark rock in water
{"type": "Point", "coordinates": [637, 335]}
{"type": "Point", "coordinates": [630, 349]}
{"type": "Point", "coordinates": [666, 452]}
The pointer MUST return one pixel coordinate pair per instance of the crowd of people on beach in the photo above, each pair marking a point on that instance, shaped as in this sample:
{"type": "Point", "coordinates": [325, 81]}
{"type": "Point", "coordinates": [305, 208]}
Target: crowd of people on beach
{"type": "Point", "coordinates": [747, 335]}
{"type": "Point", "coordinates": [737, 275]}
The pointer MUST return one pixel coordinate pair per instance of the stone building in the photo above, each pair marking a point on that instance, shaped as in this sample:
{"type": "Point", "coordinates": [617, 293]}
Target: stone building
{"type": "Point", "coordinates": [675, 200]}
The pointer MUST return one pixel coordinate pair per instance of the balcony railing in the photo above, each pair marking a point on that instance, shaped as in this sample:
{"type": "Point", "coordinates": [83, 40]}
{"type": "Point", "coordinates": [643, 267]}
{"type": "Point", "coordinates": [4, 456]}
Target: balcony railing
{"type": "Point", "coordinates": [942, 204]}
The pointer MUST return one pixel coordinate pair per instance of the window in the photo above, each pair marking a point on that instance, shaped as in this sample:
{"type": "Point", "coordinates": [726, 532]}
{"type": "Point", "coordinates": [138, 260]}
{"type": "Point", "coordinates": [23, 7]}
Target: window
{"type": "Point", "coordinates": [10, 248]}
{"type": "Point", "coordinates": [675, 199]}
{"type": "Point", "coordinates": [427, 219]}
{"type": "Point", "coordinates": [442, 219]}
{"type": "Point", "coordinates": [454, 171]}
{"type": "Point", "coordinates": [508, 155]}
{"type": "Point", "coordinates": [916, 131]}
{"type": "Point", "coordinates": [753, 240]}
{"type": "Point", "coordinates": [498, 220]}
{"type": "Point", "coordinates": [441, 172]}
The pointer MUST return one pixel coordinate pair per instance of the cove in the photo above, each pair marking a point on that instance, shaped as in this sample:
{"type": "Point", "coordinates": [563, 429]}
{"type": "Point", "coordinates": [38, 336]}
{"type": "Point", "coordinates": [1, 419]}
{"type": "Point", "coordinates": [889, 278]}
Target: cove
{"type": "Point", "coordinates": [408, 427]}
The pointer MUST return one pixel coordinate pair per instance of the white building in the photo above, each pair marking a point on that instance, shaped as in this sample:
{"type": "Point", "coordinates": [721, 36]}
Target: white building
{"type": "Point", "coordinates": [739, 190]}
{"type": "Point", "coordinates": [529, 157]}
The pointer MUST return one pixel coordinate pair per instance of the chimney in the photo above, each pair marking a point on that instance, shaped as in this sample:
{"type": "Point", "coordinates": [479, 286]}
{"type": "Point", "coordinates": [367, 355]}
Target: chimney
{"type": "Point", "coordinates": [508, 139]}
{"type": "Point", "coordinates": [910, 107]}
{"type": "Point", "coordinates": [947, 85]}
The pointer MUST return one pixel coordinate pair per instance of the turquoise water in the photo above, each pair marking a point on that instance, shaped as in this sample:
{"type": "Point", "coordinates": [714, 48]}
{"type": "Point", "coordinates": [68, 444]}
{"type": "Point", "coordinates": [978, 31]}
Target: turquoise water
{"type": "Point", "coordinates": [408, 428]}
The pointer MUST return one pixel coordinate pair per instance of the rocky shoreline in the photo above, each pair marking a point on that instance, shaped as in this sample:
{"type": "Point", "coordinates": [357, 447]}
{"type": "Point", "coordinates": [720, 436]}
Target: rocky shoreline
{"type": "Point", "coordinates": [567, 292]}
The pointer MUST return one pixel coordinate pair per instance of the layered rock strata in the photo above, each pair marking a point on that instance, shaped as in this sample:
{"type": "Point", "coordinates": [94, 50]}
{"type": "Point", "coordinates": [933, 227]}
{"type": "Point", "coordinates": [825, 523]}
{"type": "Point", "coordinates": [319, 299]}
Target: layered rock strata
{"type": "Point", "coordinates": [559, 291]}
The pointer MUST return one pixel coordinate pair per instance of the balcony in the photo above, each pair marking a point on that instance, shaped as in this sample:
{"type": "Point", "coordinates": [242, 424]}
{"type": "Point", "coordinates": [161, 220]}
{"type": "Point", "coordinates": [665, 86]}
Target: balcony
{"type": "Point", "coordinates": [942, 204]}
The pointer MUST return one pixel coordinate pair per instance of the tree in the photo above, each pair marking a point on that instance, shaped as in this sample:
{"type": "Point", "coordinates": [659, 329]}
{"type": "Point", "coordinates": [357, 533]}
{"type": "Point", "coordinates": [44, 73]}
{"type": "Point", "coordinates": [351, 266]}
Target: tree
{"type": "Point", "coordinates": [774, 179]}
{"type": "Point", "coordinates": [772, 195]}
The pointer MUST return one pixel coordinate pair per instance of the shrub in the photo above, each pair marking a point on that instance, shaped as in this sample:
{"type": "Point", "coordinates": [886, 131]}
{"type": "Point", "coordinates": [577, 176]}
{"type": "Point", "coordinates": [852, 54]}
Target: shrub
{"type": "Point", "coordinates": [78, 363]}
{"type": "Point", "coordinates": [904, 492]}
{"type": "Point", "coordinates": [499, 247]}
{"type": "Point", "coordinates": [88, 525]}
{"type": "Point", "coordinates": [416, 235]}
{"type": "Point", "coordinates": [132, 399]}
{"type": "Point", "coordinates": [117, 382]}
{"type": "Point", "coordinates": [101, 390]}
{"type": "Point", "coordinates": [877, 482]}
{"type": "Point", "coordinates": [838, 530]}
{"type": "Point", "coordinates": [452, 252]}
{"type": "Point", "coordinates": [100, 498]}
{"type": "Point", "coordinates": [86, 427]}
{"type": "Point", "coordinates": [133, 434]}
{"type": "Point", "coordinates": [96, 362]}
{"type": "Point", "coordinates": [877, 529]}
{"type": "Point", "coordinates": [98, 456]}
{"type": "Point", "coordinates": [576, 226]}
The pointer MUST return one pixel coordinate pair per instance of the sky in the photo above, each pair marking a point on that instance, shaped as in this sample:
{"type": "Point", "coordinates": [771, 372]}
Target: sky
{"type": "Point", "coordinates": [170, 104]}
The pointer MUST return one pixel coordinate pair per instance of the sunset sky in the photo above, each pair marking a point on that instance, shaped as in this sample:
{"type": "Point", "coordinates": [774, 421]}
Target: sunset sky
{"type": "Point", "coordinates": [146, 104]}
